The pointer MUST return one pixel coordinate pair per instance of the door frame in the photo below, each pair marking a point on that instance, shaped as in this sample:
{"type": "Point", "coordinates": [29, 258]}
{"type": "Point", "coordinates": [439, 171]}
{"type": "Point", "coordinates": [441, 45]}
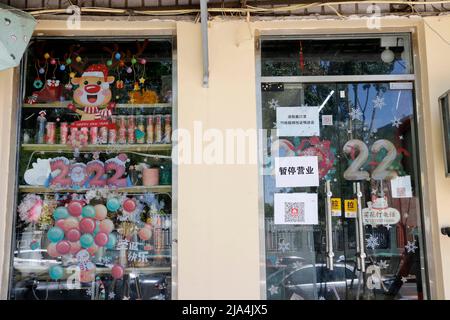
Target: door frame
{"type": "Point", "coordinates": [428, 253]}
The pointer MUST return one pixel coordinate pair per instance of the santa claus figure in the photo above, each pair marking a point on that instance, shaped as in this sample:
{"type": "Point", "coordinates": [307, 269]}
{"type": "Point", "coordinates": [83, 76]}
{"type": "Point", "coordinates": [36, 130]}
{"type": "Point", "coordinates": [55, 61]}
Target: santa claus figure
{"type": "Point", "coordinates": [93, 95]}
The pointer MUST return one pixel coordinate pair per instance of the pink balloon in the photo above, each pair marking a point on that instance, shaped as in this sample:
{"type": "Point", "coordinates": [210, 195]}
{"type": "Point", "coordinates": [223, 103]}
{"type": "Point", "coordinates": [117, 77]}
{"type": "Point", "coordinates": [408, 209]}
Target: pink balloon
{"type": "Point", "coordinates": [60, 223]}
{"type": "Point", "coordinates": [75, 208]}
{"type": "Point", "coordinates": [129, 205]}
{"type": "Point", "coordinates": [117, 271]}
{"type": "Point", "coordinates": [101, 239]}
{"type": "Point", "coordinates": [75, 247]}
{"type": "Point", "coordinates": [145, 233]}
{"type": "Point", "coordinates": [92, 249]}
{"type": "Point", "coordinates": [63, 247]}
{"type": "Point", "coordinates": [148, 225]}
{"type": "Point", "coordinates": [73, 235]}
{"type": "Point", "coordinates": [70, 223]}
{"type": "Point", "coordinates": [51, 250]}
{"type": "Point", "coordinates": [106, 226]}
{"type": "Point", "coordinates": [100, 211]}
{"type": "Point", "coordinates": [87, 225]}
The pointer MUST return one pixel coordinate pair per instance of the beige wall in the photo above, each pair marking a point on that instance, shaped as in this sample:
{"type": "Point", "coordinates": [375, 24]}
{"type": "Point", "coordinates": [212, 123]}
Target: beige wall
{"type": "Point", "coordinates": [218, 217]}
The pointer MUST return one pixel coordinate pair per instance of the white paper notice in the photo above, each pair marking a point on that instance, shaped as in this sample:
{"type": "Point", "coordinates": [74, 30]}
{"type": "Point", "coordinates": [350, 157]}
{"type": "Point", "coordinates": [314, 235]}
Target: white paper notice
{"type": "Point", "coordinates": [296, 171]}
{"type": "Point", "coordinates": [295, 208]}
{"type": "Point", "coordinates": [298, 122]}
{"type": "Point", "coordinates": [401, 187]}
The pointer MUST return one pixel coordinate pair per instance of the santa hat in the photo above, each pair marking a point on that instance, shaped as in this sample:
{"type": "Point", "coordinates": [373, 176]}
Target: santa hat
{"type": "Point", "coordinates": [96, 70]}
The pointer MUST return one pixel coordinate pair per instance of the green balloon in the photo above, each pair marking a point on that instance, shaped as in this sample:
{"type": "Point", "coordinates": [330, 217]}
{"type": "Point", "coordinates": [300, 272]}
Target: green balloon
{"type": "Point", "coordinates": [60, 213]}
{"type": "Point", "coordinates": [88, 211]}
{"type": "Point", "coordinates": [56, 272]}
{"type": "Point", "coordinates": [55, 234]}
{"type": "Point", "coordinates": [86, 240]}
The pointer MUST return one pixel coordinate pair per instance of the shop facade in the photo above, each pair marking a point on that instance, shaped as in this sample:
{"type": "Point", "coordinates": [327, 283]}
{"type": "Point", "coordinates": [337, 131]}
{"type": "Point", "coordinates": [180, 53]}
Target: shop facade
{"type": "Point", "coordinates": [224, 242]}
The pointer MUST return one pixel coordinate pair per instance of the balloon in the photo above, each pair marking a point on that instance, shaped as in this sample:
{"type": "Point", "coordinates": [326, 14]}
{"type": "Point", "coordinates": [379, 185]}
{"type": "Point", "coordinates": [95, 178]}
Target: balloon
{"type": "Point", "coordinates": [106, 226]}
{"type": "Point", "coordinates": [113, 204]}
{"type": "Point", "coordinates": [87, 225]}
{"type": "Point", "coordinates": [60, 223]}
{"type": "Point", "coordinates": [100, 211]}
{"type": "Point", "coordinates": [129, 205]}
{"type": "Point", "coordinates": [63, 247]}
{"type": "Point", "coordinates": [88, 211]}
{"type": "Point", "coordinates": [92, 249]}
{"type": "Point", "coordinates": [97, 228]}
{"type": "Point", "coordinates": [55, 234]}
{"type": "Point", "coordinates": [86, 240]}
{"type": "Point", "coordinates": [51, 250]}
{"type": "Point", "coordinates": [71, 223]}
{"type": "Point", "coordinates": [73, 235]}
{"type": "Point", "coordinates": [117, 271]}
{"type": "Point", "coordinates": [56, 272]}
{"type": "Point", "coordinates": [111, 241]}
{"type": "Point", "coordinates": [101, 239]}
{"type": "Point", "coordinates": [60, 213]}
{"type": "Point", "coordinates": [75, 247]}
{"type": "Point", "coordinates": [145, 233]}
{"type": "Point", "coordinates": [75, 208]}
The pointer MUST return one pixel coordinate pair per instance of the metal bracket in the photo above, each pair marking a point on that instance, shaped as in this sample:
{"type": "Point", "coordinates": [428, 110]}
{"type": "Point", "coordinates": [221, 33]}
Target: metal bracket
{"type": "Point", "coordinates": [204, 28]}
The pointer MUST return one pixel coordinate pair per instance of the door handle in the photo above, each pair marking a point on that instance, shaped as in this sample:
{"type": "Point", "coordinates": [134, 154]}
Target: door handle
{"type": "Point", "coordinates": [329, 226]}
{"type": "Point", "coordinates": [360, 231]}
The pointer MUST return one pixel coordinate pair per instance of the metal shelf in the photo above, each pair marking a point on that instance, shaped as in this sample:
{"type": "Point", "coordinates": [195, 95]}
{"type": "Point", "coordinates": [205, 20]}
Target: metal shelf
{"type": "Point", "coordinates": [99, 147]}
{"type": "Point", "coordinates": [119, 105]}
{"type": "Point", "coordinates": [135, 189]}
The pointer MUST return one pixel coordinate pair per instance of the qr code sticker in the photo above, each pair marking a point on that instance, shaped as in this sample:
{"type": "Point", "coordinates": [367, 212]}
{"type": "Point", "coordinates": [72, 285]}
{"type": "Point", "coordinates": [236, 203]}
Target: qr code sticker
{"type": "Point", "coordinates": [294, 212]}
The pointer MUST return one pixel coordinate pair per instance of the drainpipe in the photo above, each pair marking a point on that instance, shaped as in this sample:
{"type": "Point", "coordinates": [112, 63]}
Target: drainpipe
{"type": "Point", "coordinates": [204, 26]}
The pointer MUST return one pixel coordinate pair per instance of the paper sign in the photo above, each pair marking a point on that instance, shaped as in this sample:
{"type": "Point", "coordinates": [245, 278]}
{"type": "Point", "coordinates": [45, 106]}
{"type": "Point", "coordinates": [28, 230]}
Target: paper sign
{"type": "Point", "coordinates": [298, 122]}
{"type": "Point", "coordinates": [350, 208]}
{"type": "Point", "coordinates": [296, 171]}
{"type": "Point", "coordinates": [401, 187]}
{"type": "Point", "coordinates": [295, 208]}
{"type": "Point", "coordinates": [336, 210]}
{"type": "Point", "coordinates": [327, 120]}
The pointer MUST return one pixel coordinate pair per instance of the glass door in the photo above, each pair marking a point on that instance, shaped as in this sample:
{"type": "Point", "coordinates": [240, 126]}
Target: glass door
{"type": "Point", "coordinates": [362, 237]}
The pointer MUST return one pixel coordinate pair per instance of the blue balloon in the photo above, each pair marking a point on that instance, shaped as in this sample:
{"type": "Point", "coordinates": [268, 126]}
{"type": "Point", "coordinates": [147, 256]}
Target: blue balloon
{"type": "Point", "coordinates": [113, 204]}
{"type": "Point", "coordinates": [117, 56]}
{"type": "Point", "coordinates": [86, 240]}
{"type": "Point", "coordinates": [88, 211]}
{"type": "Point", "coordinates": [60, 213]}
{"type": "Point", "coordinates": [55, 234]}
{"type": "Point", "coordinates": [111, 241]}
{"type": "Point", "coordinates": [56, 272]}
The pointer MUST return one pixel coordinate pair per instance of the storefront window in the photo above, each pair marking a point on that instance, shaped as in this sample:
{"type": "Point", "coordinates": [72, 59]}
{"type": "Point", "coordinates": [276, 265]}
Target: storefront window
{"type": "Point", "coordinates": [341, 187]}
{"type": "Point", "coordinates": [94, 196]}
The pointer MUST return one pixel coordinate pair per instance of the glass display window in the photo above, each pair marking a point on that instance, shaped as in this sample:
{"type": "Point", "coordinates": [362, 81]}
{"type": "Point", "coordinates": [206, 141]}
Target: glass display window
{"type": "Point", "coordinates": [342, 197]}
{"type": "Point", "coordinates": [94, 171]}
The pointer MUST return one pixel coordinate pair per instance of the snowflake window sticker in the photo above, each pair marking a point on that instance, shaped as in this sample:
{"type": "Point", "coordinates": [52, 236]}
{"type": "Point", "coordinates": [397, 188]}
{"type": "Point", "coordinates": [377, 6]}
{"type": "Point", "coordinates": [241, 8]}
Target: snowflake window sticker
{"type": "Point", "coordinates": [372, 242]}
{"type": "Point", "coordinates": [283, 246]}
{"type": "Point", "coordinates": [273, 104]}
{"type": "Point", "coordinates": [378, 102]}
{"type": "Point", "coordinates": [411, 246]}
{"type": "Point", "coordinates": [396, 122]}
{"type": "Point", "coordinates": [355, 114]}
{"type": "Point", "coordinates": [273, 290]}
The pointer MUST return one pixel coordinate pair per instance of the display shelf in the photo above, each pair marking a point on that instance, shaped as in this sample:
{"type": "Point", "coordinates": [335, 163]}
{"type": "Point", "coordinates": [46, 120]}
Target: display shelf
{"type": "Point", "coordinates": [135, 189]}
{"type": "Point", "coordinates": [119, 105]}
{"type": "Point", "coordinates": [98, 147]}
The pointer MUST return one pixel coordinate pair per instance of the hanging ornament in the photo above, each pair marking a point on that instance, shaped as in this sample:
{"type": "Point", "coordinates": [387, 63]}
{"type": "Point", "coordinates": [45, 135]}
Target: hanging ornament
{"type": "Point", "coordinates": [117, 56]}
{"type": "Point", "coordinates": [68, 86]}
{"type": "Point", "coordinates": [38, 83]}
{"type": "Point", "coordinates": [119, 84]}
{"type": "Point", "coordinates": [53, 61]}
{"type": "Point", "coordinates": [72, 75]}
{"type": "Point", "coordinates": [121, 63]}
{"type": "Point", "coordinates": [142, 80]}
{"type": "Point", "coordinates": [62, 67]}
{"type": "Point", "coordinates": [68, 61]}
{"type": "Point", "coordinates": [133, 60]}
{"type": "Point", "coordinates": [41, 70]}
{"type": "Point", "coordinates": [78, 59]}
{"type": "Point", "coordinates": [46, 56]}
{"type": "Point", "coordinates": [129, 70]}
{"type": "Point", "coordinates": [109, 63]}
{"type": "Point", "coordinates": [136, 86]}
{"type": "Point", "coordinates": [143, 61]}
